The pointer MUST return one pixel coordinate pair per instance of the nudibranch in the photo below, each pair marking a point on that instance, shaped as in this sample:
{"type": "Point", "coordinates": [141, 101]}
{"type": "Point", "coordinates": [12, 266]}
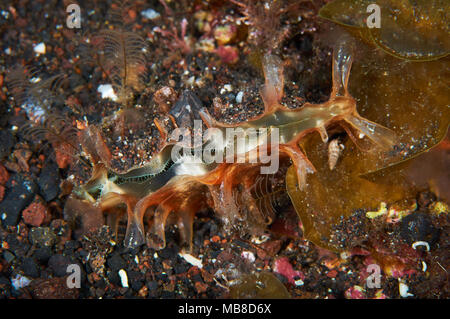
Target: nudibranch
{"type": "Point", "coordinates": [177, 186]}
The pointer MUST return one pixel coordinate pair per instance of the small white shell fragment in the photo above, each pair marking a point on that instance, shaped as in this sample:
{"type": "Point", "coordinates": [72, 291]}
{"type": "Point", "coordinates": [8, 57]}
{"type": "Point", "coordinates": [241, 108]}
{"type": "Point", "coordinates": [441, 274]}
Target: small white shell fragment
{"type": "Point", "coordinates": [39, 48]}
{"type": "Point", "coordinates": [239, 97]}
{"type": "Point", "coordinates": [107, 91]}
{"type": "Point", "coordinates": [424, 266]}
{"type": "Point", "coordinates": [403, 290]}
{"type": "Point", "coordinates": [259, 240]}
{"type": "Point", "coordinates": [191, 259]}
{"type": "Point", "coordinates": [20, 282]}
{"type": "Point", "coordinates": [249, 256]}
{"type": "Point", "coordinates": [228, 87]}
{"type": "Point", "coordinates": [299, 282]}
{"type": "Point", "coordinates": [421, 243]}
{"type": "Point", "coordinates": [123, 278]}
{"type": "Point", "coordinates": [150, 14]}
{"type": "Point", "coordinates": [191, 81]}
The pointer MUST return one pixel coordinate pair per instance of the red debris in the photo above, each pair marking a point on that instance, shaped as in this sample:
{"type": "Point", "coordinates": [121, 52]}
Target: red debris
{"type": "Point", "coordinates": [288, 225]}
{"type": "Point", "coordinates": [357, 251]}
{"type": "Point", "coordinates": [62, 159]}
{"type": "Point", "coordinates": [193, 271]}
{"type": "Point", "coordinates": [4, 175]}
{"type": "Point", "coordinates": [228, 54]}
{"type": "Point", "coordinates": [207, 277]}
{"type": "Point", "coordinates": [269, 249]}
{"type": "Point", "coordinates": [284, 267]}
{"type": "Point", "coordinates": [200, 287]}
{"type": "Point", "coordinates": [332, 273]}
{"type": "Point", "coordinates": [132, 14]}
{"type": "Point", "coordinates": [215, 239]}
{"type": "Point", "coordinates": [34, 214]}
{"type": "Point", "coordinates": [23, 155]}
{"type": "Point", "coordinates": [165, 97]}
{"type": "Point", "coordinates": [53, 288]}
{"type": "Point", "coordinates": [224, 257]}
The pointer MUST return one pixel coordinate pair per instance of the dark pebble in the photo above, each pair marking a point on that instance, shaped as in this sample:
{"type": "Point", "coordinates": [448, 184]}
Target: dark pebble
{"type": "Point", "coordinates": [16, 246]}
{"type": "Point", "coordinates": [58, 263]}
{"type": "Point", "coordinates": [168, 253]}
{"type": "Point", "coordinates": [8, 256]}
{"type": "Point", "coordinates": [49, 181]}
{"type": "Point", "coordinates": [100, 284]}
{"type": "Point", "coordinates": [42, 255]}
{"type": "Point", "coordinates": [116, 262]}
{"type": "Point", "coordinates": [186, 281]}
{"type": "Point", "coordinates": [99, 292]}
{"type": "Point", "coordinates": [5, 288]}
{"type": "Point", "coordinates": [136, 285]}
{"type": "Point", "coordinates": [152, 285]}
{"type": "Point", "coordinates": [17, 198]}
{"type": "Point", "coordinates": [197, 277]}
{"type": "Point", "coordinates": [209, 268]}
{"type": "Point", "coordinates": [7, 143]}
{"type": "Point", "coordinates": [161, 276]}
{"type": "Point", "coordinates": [70, 246]}
{"type": "Point", "coordinates": [82, 254]}
{"type": "Point", "coordinates": [113, 277]}
{"type": "Point", "coordinates": [42, 236]}
{"type": "Point", "coordinates": [30, 268]}
{"type": "Point", "coordinates": [418, 227]}
{"type": "Point", "coordinates": [181, 268]}
{"type": "Point", "coordinates": [4, 282]}
{"type": "Point", "coordinates": [214, 253]}
{"type": "Point", "coordinates": [135, 279]}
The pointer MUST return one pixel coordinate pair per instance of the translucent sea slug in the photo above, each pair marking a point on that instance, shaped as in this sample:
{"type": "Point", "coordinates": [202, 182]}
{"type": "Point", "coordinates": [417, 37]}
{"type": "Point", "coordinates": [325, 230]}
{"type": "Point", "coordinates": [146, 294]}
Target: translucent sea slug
{"type": "Point", "coordinates": [175, 185]}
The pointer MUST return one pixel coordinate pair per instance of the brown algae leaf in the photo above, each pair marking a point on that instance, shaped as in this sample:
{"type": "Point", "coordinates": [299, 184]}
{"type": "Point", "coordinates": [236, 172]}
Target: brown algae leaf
{"type": "Point", "coordinates": [411, 99]}
{"type": "Point", "coordinates": [330, 196]}
{"type": "Point", "coordinates": [259, 286]}
{"type": "Point", "coordinates": [412, 30]}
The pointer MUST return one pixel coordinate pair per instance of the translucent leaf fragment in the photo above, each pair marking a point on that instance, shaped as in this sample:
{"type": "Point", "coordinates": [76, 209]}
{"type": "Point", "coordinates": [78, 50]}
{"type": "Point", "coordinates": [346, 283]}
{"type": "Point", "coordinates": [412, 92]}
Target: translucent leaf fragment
{"type": "Point", "coordinates": [409, 98]}
{"type": "Point", "coordinates": [259, 286]}
{"type": "Point", "coordinates": [330, 196]}
{"type": "Point", "coordinates": [411, 30]}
